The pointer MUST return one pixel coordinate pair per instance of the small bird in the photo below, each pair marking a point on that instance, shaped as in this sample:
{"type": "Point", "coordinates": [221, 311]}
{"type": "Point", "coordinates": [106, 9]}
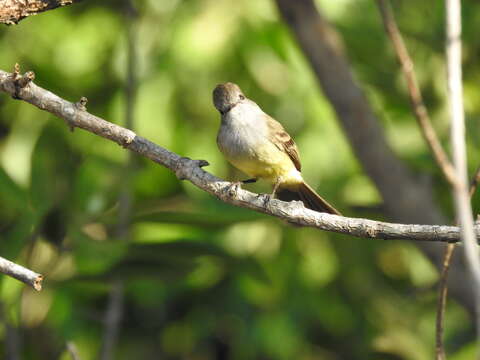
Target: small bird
{"type": "Point", "coordinates": [259, 146]}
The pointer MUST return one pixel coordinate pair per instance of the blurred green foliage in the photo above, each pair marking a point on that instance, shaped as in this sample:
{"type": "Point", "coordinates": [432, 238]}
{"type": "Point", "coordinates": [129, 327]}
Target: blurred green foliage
{"type": "Point", "coordinates": [204, 280]}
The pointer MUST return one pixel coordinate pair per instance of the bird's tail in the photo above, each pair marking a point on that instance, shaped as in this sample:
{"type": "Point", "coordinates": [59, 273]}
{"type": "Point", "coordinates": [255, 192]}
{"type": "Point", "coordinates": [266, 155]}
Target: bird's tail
{"type": "Point", "coordinates": [309, 198]}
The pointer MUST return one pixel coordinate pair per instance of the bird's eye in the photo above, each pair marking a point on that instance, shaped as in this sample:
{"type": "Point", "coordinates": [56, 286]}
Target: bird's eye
{"type": "Point", "coordinates": [241, 97]}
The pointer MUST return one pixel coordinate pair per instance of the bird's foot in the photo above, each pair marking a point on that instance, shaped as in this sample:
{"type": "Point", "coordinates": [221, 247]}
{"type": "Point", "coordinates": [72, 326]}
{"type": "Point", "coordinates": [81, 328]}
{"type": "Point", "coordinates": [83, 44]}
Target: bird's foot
{"type": "Point", "coordinates": [275, 187]}
{"type": "Point", "coordinates": [265, 198]}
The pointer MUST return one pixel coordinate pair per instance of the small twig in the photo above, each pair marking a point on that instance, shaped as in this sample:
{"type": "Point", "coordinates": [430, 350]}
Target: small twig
{"type": "Point", "coordinates": [20, 81]}
{"type": "Point", "coordinates": [461, 196]}
{"type": "Point", "coordinates": [443, 288]}
{"type": "Point", "coordinates": [442, 300]}
{"type": "Point", "coordinates": [474, 182]}
{"type": "Point", "coordinates": [21, 273]}
{"type": "Point", "coordinates": [418, 106]}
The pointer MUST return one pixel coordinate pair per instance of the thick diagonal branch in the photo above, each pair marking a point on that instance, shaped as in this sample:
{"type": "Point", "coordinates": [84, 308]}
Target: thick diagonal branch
{"type": "Point", "coordinates": [187, 169]}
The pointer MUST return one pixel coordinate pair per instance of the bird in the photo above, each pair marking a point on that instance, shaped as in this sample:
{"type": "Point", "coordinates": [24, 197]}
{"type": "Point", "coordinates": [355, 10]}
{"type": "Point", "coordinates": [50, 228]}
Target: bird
{"type": "Point", "coordinates": [258, 145]}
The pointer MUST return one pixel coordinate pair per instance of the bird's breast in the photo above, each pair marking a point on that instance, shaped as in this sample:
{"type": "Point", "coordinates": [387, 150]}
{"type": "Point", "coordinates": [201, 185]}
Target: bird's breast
{"type": "Point", "coordinates": [246, 145]}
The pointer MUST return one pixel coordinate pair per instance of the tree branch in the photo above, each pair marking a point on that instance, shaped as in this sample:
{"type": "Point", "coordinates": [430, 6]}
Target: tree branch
{"type": "Point", "coordinates": [21, 87]}
{"type": "Point", "coordinates": [419, 108]}
{"type": "Point", "coordinates": [12, 11]}
{"type": "Point", "coordinates": [461, 190]}
{"type": "Point", "coordinates": [21, 273]}
{"type": "Point", "coordinates": [442, 284]}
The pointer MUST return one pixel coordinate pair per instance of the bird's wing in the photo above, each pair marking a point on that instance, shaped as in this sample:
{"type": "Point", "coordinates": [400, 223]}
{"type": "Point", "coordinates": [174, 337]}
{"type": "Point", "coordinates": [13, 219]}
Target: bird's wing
{"type": "Point", "coordinates": [280, 138]}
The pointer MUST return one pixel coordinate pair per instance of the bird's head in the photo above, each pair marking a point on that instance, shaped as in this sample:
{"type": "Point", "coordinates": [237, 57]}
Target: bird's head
{"type": "Point", "coordinates": [226, 96]}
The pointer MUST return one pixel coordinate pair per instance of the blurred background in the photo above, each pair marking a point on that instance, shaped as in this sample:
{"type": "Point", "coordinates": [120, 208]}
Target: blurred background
{"type": "Point", "coordinates": [141, 265]}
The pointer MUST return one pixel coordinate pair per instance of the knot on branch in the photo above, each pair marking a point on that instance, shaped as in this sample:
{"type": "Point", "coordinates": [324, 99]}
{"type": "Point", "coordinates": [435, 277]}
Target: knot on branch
{"type": "Point", "coordinates": [185, 166]}
{"type": "Point", "coordinates": [372, 231]}
{"type": "Point", "coordinates": [231, 190]}
{"type": "Point", "coordinates": [20, 81]}
{"type": "Point", "coordinates": [127, 139]}
{"type": "Point", "coordinates": [82, 104]}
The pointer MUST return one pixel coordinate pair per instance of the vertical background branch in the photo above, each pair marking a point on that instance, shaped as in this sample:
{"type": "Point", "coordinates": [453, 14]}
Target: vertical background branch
{"type": "Point", "coordinates": [441, 303]}
{"type": "Point", "coordinates": [113, 318]}
{"type": "Point", "coordinates": [115, 306]}
{"type": "Point", "coordinates": [461, 190]}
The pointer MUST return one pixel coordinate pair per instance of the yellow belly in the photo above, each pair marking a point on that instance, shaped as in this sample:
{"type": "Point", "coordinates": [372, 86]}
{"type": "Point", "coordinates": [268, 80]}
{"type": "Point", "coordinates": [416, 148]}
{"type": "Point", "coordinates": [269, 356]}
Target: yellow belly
{"type": "Point", "coordinates": [270, 164]}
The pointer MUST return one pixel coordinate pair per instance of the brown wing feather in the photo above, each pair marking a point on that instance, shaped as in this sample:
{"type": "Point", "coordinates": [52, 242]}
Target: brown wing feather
{"type": "Point", "coordinates": [283, 141]}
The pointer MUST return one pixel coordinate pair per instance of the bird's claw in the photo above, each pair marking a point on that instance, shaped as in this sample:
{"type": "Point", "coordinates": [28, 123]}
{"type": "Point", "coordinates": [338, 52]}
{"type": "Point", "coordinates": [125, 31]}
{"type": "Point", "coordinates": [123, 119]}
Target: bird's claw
{"type": "Point", "coordinates": [266, 198]}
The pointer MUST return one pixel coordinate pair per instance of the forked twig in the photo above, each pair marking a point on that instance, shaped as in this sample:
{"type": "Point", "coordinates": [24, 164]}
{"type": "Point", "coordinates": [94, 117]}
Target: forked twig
{"type": "Point", "coordinates": [418, 106]}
